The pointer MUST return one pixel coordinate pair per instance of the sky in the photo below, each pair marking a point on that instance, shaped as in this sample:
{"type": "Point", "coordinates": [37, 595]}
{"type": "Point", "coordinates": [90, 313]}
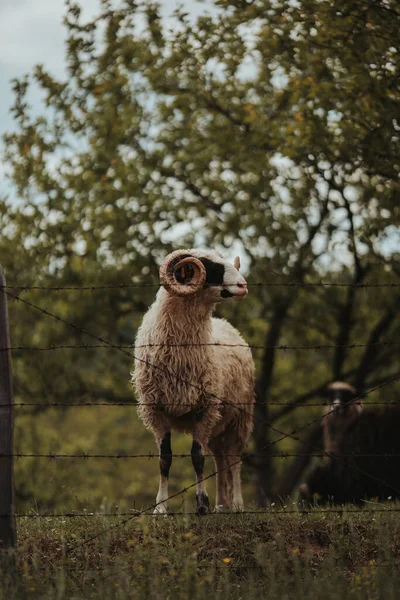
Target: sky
{"type": "Point", "coordinates": [31, 32]}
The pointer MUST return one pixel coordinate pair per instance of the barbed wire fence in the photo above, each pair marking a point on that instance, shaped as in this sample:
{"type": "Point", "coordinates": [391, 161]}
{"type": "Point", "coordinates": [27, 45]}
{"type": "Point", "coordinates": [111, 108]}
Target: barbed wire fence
{"type": "Point", "coordinates": [6, 408]}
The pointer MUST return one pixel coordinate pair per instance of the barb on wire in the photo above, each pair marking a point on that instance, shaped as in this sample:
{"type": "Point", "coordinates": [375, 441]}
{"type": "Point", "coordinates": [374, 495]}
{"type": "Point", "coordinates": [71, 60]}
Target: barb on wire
{"type": "Point", "coordinates": [146, 284]}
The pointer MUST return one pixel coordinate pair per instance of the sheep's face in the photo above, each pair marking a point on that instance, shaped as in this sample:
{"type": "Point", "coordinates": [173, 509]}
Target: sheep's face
{"type": "Point", "coordinates": [340, 397]}
{"type": "Point", "coordinates": [204, 273]}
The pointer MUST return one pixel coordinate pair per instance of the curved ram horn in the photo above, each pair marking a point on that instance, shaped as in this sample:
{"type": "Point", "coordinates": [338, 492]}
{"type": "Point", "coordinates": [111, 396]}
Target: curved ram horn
{"type": "Point", "coordinates": [169, 276]}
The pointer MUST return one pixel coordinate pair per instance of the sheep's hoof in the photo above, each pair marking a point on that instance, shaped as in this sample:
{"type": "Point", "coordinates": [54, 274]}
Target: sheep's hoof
{"type": "Point", "coordinates": [219, 508]}
{"type": "Point", "coordinates": [238, 507]}
{"type": "Point", "coordinates": [202, 504]}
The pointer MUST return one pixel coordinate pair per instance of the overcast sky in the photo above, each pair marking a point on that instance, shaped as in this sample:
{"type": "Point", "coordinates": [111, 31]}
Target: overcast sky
{"type": "Point", "coordinates": [31, 32]}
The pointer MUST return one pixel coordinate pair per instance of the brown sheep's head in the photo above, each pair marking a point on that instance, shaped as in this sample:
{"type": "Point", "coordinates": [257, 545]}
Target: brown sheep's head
{"type": "Point", "coordinates": [341, 397]}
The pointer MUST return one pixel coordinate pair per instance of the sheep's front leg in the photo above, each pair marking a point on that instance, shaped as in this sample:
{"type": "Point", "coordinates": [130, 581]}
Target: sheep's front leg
{"type": "Point", "coordinates": [165, 465]}
{"type": "Point", "coordinates": [202, 502]}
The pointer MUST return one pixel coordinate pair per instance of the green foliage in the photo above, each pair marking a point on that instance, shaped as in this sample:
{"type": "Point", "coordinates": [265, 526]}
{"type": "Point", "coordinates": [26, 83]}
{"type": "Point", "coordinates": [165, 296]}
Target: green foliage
{"type": "Point", "coordinates": [270, 128]}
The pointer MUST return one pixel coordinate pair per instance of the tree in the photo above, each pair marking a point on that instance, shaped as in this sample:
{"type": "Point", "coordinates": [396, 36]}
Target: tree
{"type": "Point", "coordinates": [272, 127]}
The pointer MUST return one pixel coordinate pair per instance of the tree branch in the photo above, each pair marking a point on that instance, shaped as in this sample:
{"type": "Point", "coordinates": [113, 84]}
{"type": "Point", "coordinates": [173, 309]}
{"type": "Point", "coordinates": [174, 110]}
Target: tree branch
{"type": "Point", "coordinates": [345, 317]}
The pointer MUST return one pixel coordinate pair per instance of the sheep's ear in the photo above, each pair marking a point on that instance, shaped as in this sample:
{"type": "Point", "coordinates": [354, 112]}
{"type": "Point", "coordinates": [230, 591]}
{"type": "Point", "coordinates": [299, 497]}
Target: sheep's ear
{"type": "Point", "coordinates": [236, 263]}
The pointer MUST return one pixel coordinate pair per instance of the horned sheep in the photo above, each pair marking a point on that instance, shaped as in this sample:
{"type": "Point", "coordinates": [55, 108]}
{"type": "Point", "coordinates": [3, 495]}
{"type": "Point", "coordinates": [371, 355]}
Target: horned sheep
{"type": "Point", "coordinates": [195, 373]}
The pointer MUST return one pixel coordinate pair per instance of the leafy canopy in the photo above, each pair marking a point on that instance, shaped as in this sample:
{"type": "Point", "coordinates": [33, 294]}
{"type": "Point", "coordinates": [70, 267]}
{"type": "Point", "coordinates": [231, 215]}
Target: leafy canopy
{"type": "Point", "coordinates": [265, 127]}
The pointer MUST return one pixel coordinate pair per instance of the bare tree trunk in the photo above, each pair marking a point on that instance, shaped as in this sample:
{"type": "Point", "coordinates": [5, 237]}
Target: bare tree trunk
{"type": "Point", "coordinates": [261, 433]}
{"type": "Point", "coordinates": [8, 536]}
{"type": "Point", "coordinates": [263, 470]}
{"type": "Point", "coordinates": [345, 320]}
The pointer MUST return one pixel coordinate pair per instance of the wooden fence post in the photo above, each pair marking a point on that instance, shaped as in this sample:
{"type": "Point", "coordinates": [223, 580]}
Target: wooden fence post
{"type": "Point", "coordinates": [8, 537]}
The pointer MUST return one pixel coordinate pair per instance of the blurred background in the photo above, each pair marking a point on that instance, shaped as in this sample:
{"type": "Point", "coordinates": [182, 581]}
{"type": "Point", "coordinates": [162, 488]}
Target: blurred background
{"type": "Point", "coordinates": [264, 129]}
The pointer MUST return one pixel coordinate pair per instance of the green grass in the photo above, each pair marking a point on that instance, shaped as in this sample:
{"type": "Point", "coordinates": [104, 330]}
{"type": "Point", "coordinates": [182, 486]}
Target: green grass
{"type": "Point", "coordinates": [354, 556]}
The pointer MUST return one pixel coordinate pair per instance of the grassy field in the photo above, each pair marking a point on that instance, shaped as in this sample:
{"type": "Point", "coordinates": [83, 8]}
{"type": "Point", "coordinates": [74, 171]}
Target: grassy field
{"type": "Point", "coordinates": [302, 556]}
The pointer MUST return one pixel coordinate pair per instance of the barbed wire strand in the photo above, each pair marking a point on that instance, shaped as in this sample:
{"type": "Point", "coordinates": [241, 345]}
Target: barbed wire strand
{"type": "Point", "coordinates": [233, 566]}
{"type": "Point", "coordinates": [136, 404]}
{"type": "Point", "coordinates": [53, 347]}
{"type": "Point", "coordinates": [94, 287]}
{"type": "Point", "coordinates": [349, 509]}
{"type": "Point", "coordinates": [149, 455]}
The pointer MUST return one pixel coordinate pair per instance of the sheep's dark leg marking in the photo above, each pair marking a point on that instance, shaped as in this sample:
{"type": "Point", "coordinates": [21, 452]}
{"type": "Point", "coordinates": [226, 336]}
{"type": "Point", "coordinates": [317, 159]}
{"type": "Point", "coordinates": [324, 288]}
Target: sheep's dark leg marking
{"type": "Point", "coordinates": [165, 455]}
{"type": "Point", "coordinates": [202, 502]}
{"type": "Point", "coordinates": [165, 464]}
{"type": "Point", "coordinates": [197, 458]}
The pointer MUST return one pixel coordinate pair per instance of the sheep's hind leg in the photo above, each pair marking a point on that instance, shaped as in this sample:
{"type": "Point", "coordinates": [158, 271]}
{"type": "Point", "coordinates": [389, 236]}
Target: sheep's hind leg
{"type": "Point", "coordinates": [161, 507]}
{"type": "Point", "coordinates": [223, 487]}
{"type": "Point", "coordinates": [237, 500]}
{"type": "Point", "coordinates": [202, 502]}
